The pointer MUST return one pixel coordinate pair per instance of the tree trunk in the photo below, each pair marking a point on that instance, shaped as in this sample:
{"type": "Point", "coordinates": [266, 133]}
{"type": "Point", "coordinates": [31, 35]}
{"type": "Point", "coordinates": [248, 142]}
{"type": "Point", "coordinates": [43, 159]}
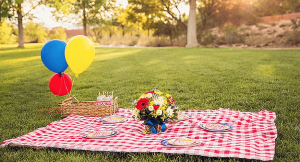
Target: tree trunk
{"type": "Point", "coordinates": [20, 26]}
{"type": "Point", "coordinates": [84, 18]}
{"type": "Point", "coordinates": [138, 29]}
{"type": "Point", "coordinates": [191, 32]}
{"type": "Point", "coordinates": [123, 30]}
{"type": "Point", "coordinates": [182, 25]}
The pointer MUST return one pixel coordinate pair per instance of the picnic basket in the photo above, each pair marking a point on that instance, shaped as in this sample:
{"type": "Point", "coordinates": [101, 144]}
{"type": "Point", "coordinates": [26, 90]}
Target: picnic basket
{"type": "Point", "coordinates": [87, 108]}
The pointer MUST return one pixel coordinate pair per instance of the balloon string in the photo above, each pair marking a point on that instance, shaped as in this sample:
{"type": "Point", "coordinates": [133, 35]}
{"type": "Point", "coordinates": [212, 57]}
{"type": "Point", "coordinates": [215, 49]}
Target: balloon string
{"type": "Point", "coordinates": [72, 87]}
{"type": "Point", "coordinates": [66, 85]}
{"type": "Point", "coordinates": [60, 84]}
{"type": "Point", "coordinates": [76, 100]}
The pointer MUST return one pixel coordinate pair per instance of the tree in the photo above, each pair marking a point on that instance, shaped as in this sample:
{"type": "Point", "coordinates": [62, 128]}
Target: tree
{"type": "Point", "coordinates": [122, 19]}
{"type": "Point", "coordinates": [18, 6]}
{"type": "Point", "coordinates": [16, 9]}
{"type": "Point", "coordinates": [191, 31]}
{"type": "Point", "coordinates": [34, 32]}
{"type": "Point", "coordinates": [168, 28]}
{"type": "Point", "coordinates": [5, 7]}
{"type": "Point", "coordinates": [129, 17]}
{"type": "Point", "coordinates": [157, 8]}
{"type": "Point", "coordinates": [88, 11]}
{"type": "Point", "coordinates": [169, 5]}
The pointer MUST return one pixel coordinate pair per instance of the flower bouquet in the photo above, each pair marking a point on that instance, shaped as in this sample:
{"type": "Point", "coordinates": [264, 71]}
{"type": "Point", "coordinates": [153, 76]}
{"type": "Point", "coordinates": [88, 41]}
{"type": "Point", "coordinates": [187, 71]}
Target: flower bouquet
{"type": "Point", "coordinates": [155, 109]}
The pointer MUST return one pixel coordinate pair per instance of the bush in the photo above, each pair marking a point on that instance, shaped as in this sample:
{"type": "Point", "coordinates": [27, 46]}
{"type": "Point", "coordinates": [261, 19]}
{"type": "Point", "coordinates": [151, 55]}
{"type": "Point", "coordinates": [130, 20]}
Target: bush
{"type": "Point", "coordinates": [59, 33]}
{"type": "Point", "coordinates": [232, 36]}
{"type": "Point", "coordinates": [34, 32]}
{"type": "Point", "coordinates": [208, 39]}
{"type": "Point", "coordinates": [6, 34]}
{"type": "Point", "coordinates": [220, 41]}
{"type": "Point", "coordinates": [293, 38]}
{"type": "Point", "coordinates": [143, 40]}
{"type": "Point", "coordinates": [295, 23]}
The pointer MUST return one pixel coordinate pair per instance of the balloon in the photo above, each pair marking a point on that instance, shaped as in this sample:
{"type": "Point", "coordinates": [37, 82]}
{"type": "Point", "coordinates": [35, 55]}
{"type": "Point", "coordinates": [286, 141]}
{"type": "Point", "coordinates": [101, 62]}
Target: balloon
{"type": "Point", "coordinates": [79, 53]}
{"type": "Point", "coordinates": [60, 84]}
{"type": "Point", "coordinates": [53, 56]}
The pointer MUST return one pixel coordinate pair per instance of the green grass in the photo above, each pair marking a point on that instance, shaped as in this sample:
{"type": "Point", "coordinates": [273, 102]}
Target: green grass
{"type": "Point", "coordinates": [198, 78]}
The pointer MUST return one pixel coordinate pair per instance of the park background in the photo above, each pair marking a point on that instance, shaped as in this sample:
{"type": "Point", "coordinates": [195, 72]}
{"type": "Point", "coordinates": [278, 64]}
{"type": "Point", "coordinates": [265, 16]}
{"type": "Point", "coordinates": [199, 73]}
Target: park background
{"type": "Point", "coordinates": [155, 23]}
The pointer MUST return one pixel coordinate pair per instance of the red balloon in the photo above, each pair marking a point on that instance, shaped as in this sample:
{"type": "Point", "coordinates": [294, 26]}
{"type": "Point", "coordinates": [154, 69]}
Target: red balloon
{"type": "Point", "coordinates": [60, 84]}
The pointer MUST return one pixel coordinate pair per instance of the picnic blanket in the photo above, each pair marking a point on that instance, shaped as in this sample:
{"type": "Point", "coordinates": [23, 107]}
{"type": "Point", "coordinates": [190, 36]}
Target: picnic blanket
{"type": "Point", "coordinates": [253, 135]}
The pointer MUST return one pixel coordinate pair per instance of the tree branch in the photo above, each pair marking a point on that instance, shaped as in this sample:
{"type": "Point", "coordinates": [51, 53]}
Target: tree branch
{"type": "Point", "coordinates": [40, 2]}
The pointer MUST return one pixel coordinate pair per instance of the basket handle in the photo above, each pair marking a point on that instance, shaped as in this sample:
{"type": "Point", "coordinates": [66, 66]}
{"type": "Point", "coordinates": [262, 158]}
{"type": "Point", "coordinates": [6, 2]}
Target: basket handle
{"type": "Point", "coordinates": [69, 98]}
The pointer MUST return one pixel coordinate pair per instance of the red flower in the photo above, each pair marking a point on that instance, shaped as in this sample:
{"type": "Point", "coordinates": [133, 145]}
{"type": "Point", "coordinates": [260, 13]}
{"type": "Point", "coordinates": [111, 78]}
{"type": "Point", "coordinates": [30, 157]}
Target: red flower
{"type": "Point", "coordinates": [149, 92]}
{"type": "Point", "coordinates": [171, 100]}
{"type": "Point", "coordinates": [142, 103]}
{"type": "Point", "coordinates": [156, 107]}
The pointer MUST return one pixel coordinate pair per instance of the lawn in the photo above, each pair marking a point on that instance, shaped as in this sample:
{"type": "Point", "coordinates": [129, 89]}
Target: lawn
{"type": "Point", "coordinates": [199, 78]}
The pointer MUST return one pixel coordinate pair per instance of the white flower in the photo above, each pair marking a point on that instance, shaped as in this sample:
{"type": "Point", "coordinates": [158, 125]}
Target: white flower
{"type": "Point", "coordinates": [170, 111]}
{"type": "Point", "coordinates": [136, 112]}
{"type": "Point", "coordinates": [158, 112]}
{"type": "Point", "coordinates": [151, 108]}
{"type": "Point", "coordinates": [149, 95]}
{"type": "Point", "coordinates": [159, 101]}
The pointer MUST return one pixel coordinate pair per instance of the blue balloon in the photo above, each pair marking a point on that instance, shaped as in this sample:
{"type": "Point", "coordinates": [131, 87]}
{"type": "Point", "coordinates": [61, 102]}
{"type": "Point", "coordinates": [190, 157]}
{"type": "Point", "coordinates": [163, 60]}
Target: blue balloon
{"type": "Point", "coordinates": [53, 56]}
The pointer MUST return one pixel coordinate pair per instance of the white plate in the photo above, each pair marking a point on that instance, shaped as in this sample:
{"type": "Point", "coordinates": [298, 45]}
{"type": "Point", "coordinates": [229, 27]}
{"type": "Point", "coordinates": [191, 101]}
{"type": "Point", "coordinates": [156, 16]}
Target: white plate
{"type": "Point", "coordinates": [183, 117]}
{"type": "Point", "coordinates": [179, 142]}
{"type": "Point", "coordinates": [216, 127]}
{"type": "Point", "coordinates": [101, 134]}
{"type": "Point", "coordinates": [114, 119]}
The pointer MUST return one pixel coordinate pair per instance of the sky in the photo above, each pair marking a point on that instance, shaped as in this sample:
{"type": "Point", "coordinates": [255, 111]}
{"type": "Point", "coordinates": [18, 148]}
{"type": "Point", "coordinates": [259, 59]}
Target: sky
{"type": "Point", "coordinates": [43, 15]}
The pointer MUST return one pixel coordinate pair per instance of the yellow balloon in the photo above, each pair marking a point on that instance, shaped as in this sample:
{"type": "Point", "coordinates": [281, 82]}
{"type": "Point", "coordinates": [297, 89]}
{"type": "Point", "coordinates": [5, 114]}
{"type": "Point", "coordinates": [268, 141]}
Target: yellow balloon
{"type": "Point", "coordinates": [79, 53]}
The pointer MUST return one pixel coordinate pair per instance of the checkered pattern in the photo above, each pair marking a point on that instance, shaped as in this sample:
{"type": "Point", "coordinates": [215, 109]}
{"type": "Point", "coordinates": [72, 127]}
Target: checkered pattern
{"type": "Point", "coordinates": [253, 135]}
{"type": "Point", "coordinates": [103, 103]}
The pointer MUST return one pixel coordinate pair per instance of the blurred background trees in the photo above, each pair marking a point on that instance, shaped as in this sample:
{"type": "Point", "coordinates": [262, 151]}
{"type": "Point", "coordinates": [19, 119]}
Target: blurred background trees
{"type": "Point", "coordinates": [163, 22]}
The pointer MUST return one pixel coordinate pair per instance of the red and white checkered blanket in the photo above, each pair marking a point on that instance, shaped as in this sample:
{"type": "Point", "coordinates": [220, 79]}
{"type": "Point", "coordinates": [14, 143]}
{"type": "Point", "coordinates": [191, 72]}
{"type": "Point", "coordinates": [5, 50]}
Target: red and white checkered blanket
{"type": "Point", "coordinates": [253, 135]}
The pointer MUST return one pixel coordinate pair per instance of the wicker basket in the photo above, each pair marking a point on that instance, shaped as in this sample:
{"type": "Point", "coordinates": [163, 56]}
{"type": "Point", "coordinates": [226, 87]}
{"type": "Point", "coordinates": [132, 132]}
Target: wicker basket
{"type": "Point", "coordinates": [87, 108]}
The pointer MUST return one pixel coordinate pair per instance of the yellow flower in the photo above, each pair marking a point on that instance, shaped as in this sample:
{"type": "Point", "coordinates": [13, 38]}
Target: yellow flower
{"type": "Point", "coordinates": [168, 95]}
{"type": "Point", "coordinates": [162, 107]}
{"type": "Point", "coordinates": [152, 103]}
{"type": "Point", "coordinates": [157, 92]}
{"type": "Point", "coordinates": [165, 102]}
{"type": "Point", "coordinates": [143, 96]}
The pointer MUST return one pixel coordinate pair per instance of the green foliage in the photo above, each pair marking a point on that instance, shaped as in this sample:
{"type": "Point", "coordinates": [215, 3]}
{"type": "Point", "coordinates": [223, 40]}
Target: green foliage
{"type": "Point", "coordinates": [5, 8]}
{"type": "Point", "coordinates": [6, 33]}
{"type": "Point", "coordinates": [293, 38]}
{"type": "Point", "coordinates": [35, 32]}
{"type": "Point", "coordinates": [232, 36]}
{"type": "Point", "coordinates": [158, 10]}
{"type": "Point", "coordinates": [59, 33]}
{"type": "Point", "coordinates": [169, 29]}
{"type": "Point", "coordinates": [198, 78]}
{"type": "Point", "coordinates": [208, 39]}
{"type": "Point", "coordinates": [62, 7]}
